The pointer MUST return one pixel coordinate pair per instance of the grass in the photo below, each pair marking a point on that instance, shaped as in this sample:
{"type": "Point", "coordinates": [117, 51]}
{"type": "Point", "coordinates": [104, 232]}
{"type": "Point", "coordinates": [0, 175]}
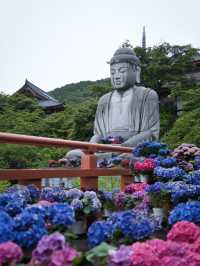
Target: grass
{"type": "Point", "coordinates": [107, 183]}
{"type": "Point", "coordinates": [4, 185]}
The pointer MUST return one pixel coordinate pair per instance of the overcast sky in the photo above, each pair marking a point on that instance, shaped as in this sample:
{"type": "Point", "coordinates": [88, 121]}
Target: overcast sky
{"type": "Point", "coordinates": [55, 42]}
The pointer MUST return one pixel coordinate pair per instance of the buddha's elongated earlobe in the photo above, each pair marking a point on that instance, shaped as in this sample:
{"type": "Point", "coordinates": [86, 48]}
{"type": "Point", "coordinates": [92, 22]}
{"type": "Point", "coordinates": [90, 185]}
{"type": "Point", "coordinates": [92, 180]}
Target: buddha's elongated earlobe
{"type": "Point", "coordinates": [138, 72]}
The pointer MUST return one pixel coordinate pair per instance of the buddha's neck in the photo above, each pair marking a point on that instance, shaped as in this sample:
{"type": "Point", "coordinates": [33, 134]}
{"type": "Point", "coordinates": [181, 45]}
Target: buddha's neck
{"type": "Point", "coordinates": [122, 91]}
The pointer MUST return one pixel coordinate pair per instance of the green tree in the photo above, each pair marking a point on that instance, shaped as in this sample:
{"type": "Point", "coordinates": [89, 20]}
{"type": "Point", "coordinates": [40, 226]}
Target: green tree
{"type": "Point", "coordinates": [165, 65]}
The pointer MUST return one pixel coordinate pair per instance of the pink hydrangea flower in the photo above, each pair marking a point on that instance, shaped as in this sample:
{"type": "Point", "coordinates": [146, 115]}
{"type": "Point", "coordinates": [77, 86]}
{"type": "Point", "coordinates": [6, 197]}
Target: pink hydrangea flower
{"type": "Point", "coordinates": [135, 187]}
{"type": "Point", "coordinates": [196, 246]}
{"type": "Point", "coordinates": [143, 255]}
{"type": "Point", "coordinates": [63, 257]}
{"type": "Point", "coordinates": [184, 232]}
{"type": "Point", "coordinates": [192, 259]}
{"type": "Point", "coordinates": [173, 261]}
{"type": "Point", "coordinates": [10, 253]}
{"type": "Point", "coordinates": [146, 166]}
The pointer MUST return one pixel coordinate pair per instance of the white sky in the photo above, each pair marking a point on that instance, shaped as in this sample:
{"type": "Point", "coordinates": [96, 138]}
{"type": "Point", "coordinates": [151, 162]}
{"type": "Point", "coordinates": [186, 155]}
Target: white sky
{"type": "Point", "coordinates": [55, 42]}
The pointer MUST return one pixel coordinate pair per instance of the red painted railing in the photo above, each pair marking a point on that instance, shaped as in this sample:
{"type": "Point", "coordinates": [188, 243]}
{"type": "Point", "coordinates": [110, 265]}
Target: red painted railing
{"type": "Point", "coordinates": [88, 172]}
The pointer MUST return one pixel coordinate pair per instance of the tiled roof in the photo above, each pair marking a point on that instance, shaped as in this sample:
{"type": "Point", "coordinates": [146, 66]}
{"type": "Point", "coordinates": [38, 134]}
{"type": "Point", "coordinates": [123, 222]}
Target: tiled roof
{"type": "Point", "coordinates": [45, 100]}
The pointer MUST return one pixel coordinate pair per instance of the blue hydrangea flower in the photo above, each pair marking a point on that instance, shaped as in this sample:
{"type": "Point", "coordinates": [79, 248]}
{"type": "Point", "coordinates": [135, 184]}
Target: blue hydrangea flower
{"type": "Point", "coordinates": [20, 191]}
{"type": "Point", "coordinates": [189, 211]}
{"type": "Point", "coordinates": [29, 229]}
{"type": "Point", "coordinates": [181, 191]}
{"type": "Point", "coordinates": [193, 178]}
{"type": "Point", "coordinates": [197, 162]}
{"type": "Point", "coordinates": [148, 149]}
{"type": "Point", "coordinates": [12, 203]}
{"type": "Point", "coordinates": [34, 193]}
{"type": "Point", "coordinates": [6, 227]}
{"type": "Point", "coordinates": [156, 187]}
{"type": "Point", "coordinates": [107, 195]}
{"type": "Point", "coordinates": [167, 174]}
{"type": "Point", "coordinates": [98, 232]}
{"type": "Point", "coordinates": [40, 210]}
{"type": "Point", "coordinates": [61, 214]}
{"type": "Point", "coordinates": [164, 152]}
{"type": "Point", "coordinates": [132, 224]}
{"type": "Point", "coordinates": [165, 162]}
{"type": "Point", "coordinates": [53, 194]}
{"type": "Point", "coordinates": [141, 229]}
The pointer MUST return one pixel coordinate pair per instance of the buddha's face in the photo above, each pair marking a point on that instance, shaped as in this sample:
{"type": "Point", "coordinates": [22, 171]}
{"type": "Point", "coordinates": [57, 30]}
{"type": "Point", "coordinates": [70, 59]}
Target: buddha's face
{"type": "Point", "coordinates": [123, 75]}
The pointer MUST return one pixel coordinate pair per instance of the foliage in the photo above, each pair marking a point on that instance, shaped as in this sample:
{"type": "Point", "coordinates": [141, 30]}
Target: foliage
{"type": "Point", "coordinates": [77, 92]}
{"type": "Point", "coordinates": [19, 116]}
{"type": "Point", "coordinates": [4, 185]}
{"type": "Point", "coordinates": [99, 253]}
{"type": "Point", "coordinates": [165, 63]}
{"type": "Point", "coordinates": [185, 130]}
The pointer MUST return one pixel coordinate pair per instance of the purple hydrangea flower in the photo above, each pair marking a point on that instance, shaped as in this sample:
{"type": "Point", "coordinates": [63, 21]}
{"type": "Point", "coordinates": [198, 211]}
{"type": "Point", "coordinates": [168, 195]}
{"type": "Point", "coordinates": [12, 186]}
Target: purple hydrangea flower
{"type": "Point", "coordinates": [77, 204]}
{"type": "Point", "coordinates": [120, 199]}
{"type": "Point", "coordinates": [90, 195]}
{"type": "Point", "coordinates": [45, 248]}
{"type": "Point", "coordinates": [96, 204]}
{"type": "Point", "coordinates": [121, 257]}
{"type": "Point", "coordinates": [73, 193]}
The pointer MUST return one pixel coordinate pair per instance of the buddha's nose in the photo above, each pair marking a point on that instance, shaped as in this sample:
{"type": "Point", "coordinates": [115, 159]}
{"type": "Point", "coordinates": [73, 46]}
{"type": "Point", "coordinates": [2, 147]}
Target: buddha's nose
{"type": "Point", "coordinates": [117, 77]}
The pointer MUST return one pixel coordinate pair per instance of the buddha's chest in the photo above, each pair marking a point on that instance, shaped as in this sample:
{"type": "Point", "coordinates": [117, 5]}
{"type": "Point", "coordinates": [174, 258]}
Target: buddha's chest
{"type": "Point", "coordinates": [119, 111]}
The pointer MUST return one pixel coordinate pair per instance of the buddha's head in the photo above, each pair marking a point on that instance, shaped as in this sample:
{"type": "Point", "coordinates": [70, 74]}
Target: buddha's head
{"type": "Point", "coordinates": [124, 69]}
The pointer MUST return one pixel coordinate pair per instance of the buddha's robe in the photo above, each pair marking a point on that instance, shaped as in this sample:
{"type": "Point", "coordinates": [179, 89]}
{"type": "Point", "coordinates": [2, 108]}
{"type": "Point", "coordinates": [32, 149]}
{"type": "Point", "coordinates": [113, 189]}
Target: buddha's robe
{"type": "Point", "coordinates": [134, 115]}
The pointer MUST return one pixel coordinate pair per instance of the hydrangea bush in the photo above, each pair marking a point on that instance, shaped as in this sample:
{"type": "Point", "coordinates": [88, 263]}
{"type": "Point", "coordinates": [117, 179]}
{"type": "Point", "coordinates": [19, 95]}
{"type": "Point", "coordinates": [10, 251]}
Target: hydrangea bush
{"type": "Point", "coordinates": [28, 216]}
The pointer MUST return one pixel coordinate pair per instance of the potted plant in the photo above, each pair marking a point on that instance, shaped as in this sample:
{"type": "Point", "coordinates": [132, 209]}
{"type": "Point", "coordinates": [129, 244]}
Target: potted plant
{"type": "Point", "coordinates": [124, 201]}
{"type": "Point", "coordinates": [144, 168]}
{"type": "Point", "coordinates": [159, 199]}
{"type": "Point", "coordinates": [86, 207]}
{"type": "Point", "coordinates": [108, 206]}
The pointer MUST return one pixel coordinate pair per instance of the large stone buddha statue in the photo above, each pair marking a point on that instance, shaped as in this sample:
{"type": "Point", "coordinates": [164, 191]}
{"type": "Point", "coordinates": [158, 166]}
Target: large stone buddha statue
{"type": "Point", "coordinates": [129, 110]}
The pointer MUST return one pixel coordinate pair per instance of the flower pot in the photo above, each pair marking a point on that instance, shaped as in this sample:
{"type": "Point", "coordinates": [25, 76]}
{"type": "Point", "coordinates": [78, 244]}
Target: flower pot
{"type": "Point", "coordinates": [107, 213]}
{"type": "Point", "coordinates": [143, 178]}
{"type": "Point", "coordinates": [78, 227]}
{"type": "Point", "coordinates": [158, 213]}
{"type": "Point", "coordinates": [136, 179]}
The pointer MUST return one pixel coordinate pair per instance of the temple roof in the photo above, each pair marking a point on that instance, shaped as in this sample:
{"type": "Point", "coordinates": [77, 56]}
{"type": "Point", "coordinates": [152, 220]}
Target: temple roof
{"type": "Point", "coordinates": [44, 99]}
{"type": "Point", "coordinates": [197, 57]}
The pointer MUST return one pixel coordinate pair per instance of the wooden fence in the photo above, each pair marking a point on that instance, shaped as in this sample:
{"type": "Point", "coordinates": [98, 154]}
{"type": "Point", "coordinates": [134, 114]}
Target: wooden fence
{"type": "Point", "coordinates": [88, 171]}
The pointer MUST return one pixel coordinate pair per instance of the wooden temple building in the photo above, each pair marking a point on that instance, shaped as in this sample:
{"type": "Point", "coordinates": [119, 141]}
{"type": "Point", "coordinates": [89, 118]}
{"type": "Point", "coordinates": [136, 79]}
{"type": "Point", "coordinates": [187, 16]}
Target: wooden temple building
{"type": "Point", "coordinates": [47, 102]}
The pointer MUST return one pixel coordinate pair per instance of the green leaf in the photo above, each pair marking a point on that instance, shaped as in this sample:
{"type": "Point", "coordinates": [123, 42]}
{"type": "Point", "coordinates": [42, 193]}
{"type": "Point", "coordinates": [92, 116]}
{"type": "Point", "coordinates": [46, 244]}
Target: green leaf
{"type": "Point", "coordinates": [99, 251]}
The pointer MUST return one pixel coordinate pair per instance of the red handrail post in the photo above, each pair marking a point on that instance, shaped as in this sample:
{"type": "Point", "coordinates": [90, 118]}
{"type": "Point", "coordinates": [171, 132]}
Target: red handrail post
{"type": "Point", "coordinates": [125, 180]}
{"type": "Point", "coordinates": [89, 161]}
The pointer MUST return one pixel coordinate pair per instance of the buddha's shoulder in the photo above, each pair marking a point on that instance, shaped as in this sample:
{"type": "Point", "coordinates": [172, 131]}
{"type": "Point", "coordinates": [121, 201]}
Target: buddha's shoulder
{"type": "Point", "coordinates": [105, 98]}
{"type": "Point", "coordinates": [150, 93]}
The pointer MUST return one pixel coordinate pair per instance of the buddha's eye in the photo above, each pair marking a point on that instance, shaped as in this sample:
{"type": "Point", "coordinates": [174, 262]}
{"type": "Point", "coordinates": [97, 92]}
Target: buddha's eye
{"type": "Point", "coordinates": [123, 70]}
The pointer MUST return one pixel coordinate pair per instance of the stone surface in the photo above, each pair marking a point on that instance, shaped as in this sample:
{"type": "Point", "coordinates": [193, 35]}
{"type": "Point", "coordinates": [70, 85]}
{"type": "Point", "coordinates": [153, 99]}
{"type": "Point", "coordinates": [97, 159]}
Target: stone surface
{"type": "Point", "coordinates": [129, 110]}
